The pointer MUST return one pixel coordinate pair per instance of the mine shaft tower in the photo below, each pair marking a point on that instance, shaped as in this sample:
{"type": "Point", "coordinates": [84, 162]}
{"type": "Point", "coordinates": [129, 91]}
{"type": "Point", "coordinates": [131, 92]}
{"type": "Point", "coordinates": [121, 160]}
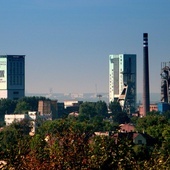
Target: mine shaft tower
{"type": "Point", "coordinates": [165, 82]}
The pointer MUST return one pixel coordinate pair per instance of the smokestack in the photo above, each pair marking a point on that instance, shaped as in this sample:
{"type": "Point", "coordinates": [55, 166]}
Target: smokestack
{"type": "Point", "coordinates": [146, 93]}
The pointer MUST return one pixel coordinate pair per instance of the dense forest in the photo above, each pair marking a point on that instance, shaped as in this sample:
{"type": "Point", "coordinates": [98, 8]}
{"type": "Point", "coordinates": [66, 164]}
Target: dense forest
{"type": "Point", "coordinates": [70, 142]}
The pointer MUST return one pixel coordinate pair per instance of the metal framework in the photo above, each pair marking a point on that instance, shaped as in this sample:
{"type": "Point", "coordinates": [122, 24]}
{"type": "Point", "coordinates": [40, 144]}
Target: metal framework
{"type": "Point", "coordinates": [127, 98]}
{"type": "Point", "coordinates": [165, 82]}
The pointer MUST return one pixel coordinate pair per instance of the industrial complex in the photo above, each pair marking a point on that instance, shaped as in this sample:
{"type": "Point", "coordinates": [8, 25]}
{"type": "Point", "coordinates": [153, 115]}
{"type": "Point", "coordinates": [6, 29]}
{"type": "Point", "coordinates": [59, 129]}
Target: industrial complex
{"type": "Point", "coordinates": [122, 81]}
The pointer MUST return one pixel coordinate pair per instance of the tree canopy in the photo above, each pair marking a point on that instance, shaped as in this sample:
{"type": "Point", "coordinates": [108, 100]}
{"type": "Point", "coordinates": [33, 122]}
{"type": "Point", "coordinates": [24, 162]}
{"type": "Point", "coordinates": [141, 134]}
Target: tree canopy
{"type": "Point", "coordinates": [68, 144]}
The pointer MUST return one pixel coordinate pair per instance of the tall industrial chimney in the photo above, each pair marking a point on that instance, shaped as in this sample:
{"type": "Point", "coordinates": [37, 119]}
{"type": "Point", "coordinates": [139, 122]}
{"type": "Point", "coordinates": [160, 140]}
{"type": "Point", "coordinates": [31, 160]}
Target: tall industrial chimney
{"type": "Point", "coordinates": [146, 93]}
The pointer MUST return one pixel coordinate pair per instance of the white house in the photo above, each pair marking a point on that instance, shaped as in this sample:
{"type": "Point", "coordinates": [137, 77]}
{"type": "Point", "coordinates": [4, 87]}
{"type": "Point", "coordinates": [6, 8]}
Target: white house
{"type": "Point", "coordinates": [32, 116]}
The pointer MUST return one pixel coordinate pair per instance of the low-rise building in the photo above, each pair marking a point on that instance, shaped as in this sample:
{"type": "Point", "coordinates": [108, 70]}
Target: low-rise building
{"type": "Point", "coordinates": [153, 107]}
{"type": "Point", "coordinates": [32, 116]}
{"type": "Point", "coordinates": [10, 118]}
{"type": "Point", "coordinates": [127, 127]}
{"type": "Point", "coordinates": [135, 137]}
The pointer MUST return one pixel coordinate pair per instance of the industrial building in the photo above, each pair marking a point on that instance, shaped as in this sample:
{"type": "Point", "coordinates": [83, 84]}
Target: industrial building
{"type": "Point", "coordinates": [12, 76]}
{"type": "Point", "coordinates": [47, 107]}
{"type": "Point", "coordinates": [122, 80]}
{"type": "Point", "coordinates": [165, 82]}
{"type": "Point", "coordinates": [152, 108]}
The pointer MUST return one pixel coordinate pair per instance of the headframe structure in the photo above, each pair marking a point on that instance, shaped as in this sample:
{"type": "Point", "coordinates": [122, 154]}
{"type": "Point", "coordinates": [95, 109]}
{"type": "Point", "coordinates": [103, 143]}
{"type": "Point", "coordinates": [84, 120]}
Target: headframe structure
{"type": "Point", "coordinates": [165, 82]}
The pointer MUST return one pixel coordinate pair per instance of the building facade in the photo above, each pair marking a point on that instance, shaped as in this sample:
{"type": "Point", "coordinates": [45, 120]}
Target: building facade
{"type": "Point", "coordinates": [122, 80]}
{"type": "Point", "coordinates": [48, 107]}
{"type": "Point", "coordinates": [32, 116]}
{"type": "Point", "coordinates": [152, 107]}
{"type": "Point", "coordinates": [12, 76]}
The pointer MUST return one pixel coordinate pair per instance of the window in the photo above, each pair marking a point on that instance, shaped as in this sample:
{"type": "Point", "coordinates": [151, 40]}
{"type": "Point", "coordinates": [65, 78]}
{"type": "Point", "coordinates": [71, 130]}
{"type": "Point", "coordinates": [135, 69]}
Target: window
{"type": "Point", "coordinates": [15, 92]}
{"type": "Point", "coordinates": [139, 141]}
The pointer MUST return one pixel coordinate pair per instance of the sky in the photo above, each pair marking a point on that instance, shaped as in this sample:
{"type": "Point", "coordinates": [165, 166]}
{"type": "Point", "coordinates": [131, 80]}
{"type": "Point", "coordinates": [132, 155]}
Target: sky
{"type": "Point", "coordinates": [67, 43]}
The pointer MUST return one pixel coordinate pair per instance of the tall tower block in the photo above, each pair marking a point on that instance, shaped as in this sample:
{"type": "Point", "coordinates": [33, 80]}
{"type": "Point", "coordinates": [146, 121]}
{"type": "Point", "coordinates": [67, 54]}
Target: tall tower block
{"type": "Point", "coordinates": [12, 76]}
{"type": "Point", "coordinates": [122, 80]}
{"type": "Point", "coordinates": [146, 92]}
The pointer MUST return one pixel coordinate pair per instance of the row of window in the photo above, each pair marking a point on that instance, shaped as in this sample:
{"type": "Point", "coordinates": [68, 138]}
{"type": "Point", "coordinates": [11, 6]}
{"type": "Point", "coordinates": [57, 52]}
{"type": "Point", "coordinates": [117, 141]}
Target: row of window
{"type": "Point", "coordinates": [16, 80]}
{"type": "Point", "coordinates": [16, 68]}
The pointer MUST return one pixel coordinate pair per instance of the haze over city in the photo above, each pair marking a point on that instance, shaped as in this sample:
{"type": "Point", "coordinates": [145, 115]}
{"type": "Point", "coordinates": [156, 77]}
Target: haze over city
{"type": "Point", "coordinates": [67, 43]}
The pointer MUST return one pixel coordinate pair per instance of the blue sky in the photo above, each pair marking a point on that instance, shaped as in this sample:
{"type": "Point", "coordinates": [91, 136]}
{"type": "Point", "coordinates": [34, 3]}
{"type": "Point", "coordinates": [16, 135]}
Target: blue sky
{"type": "Point", "coordinates": [67, 43]}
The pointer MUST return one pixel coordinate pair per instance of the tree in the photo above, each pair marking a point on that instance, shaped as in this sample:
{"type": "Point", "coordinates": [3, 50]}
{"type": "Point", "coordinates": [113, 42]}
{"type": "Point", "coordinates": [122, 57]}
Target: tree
{"type": "Point", "coordinates": [149, 121]}
{"type": "Point", "coordinates": [32, 101]}
{"type": "Point", "coordinates": [154, 125]}
{"type": "Point", "coordinates": [14, 143]}
{"type": "Point", "coordinates": [115, 107]}
{"type": "Point", "coordinates": [134, 119]}
{"type": "Point", "coordinates": [153, 113]}
{"type": "Point", "coordinates": [22, 107]}
{"type": "Point", "coordinates": [70, 144]}
{"type": "Point", "coordinates": [118, 115]}
{"type": "Point", "coordinates": [121, 117]}
{"type": "Point", "coordinates": [6, 106]}
{"type": "Point", "coordinates": [167, 114]}
{"type": "Point", "coordinates": [142, 153]}
{"type": "Point", "coordinates": [101, 108]}
{"type": "Point", "coordinates": [87, 110]}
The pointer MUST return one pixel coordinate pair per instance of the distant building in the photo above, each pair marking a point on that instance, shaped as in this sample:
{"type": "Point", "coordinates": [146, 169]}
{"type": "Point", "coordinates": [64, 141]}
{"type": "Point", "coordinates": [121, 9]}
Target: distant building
{"type": "Point", "coordinates": [72, 106]}
{"type": "Point", "coordinates": [126, 128]}
{"type": "Point", "coordinates": [32, 116]}
{"type": "Point", "coordinates": [12, 76]}
{"type": "Point", "coordinates": [61, 109]}
{"type": "Point", "coordinates": [102, 133]}
{"type": "Point", "coordinates": [10, 118]}
{"type": "Point", "coordinates": [163, 107]}
{"type": "Point", "coordinates": [46, 107]}
{"type": "Point", "coordinates": [122, 80]}
{"type": "Point", "coordinates": [74, 114]}
{"type": "Point", "coordinates": [135, 137]}
{"type": "Point", "coordinates": [153, 107]}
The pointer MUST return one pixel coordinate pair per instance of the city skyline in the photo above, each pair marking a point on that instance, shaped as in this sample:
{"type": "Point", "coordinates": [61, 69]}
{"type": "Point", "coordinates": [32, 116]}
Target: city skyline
{"type": "Point", "coordinates": [67, 44]}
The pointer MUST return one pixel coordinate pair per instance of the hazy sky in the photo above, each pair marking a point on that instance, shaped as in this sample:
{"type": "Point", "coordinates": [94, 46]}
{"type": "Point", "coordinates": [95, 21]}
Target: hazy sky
{"type": "Point", "coordinates": [67, 42]}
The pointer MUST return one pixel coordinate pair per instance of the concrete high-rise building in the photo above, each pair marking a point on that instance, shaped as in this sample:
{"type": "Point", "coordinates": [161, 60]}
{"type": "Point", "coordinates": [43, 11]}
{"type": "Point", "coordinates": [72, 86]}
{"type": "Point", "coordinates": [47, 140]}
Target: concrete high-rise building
{"type": "Point", "coordinates": [122, 80]}
{"type": "Point", "coordinates": [12, 76]}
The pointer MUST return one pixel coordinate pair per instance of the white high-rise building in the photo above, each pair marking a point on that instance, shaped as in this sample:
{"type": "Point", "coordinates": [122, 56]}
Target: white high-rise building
{"type": "Point", "coordinates": [12, 76]}
{"type": "Point", "coordinates": [122, 80]}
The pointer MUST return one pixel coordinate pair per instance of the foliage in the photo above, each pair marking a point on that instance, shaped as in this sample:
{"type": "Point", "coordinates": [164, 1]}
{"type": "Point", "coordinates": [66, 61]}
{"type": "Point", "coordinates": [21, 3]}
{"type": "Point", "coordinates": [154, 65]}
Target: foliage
{"type": "Point", "coordinates": [24, 104]}
{"type": "Point", "coordinates": [89, 110]}
{"type": "Point", "coordinates": [106, 154]}
{"type": "Point", "coordinates": [121, 117]}
{"type": "Point", "coordinates": [134, 119]}
{"type": "Point", "coordinates": [14, 141]}
{"type": "Point", "coordinates": [142, 153]}
{"type": "Point", "coordinates": [59, 125]}
{"type": "Point", "coordinates": [32, 102]}
{"type": "Point", "coordinates": [118, 115]}
{"type": "Point", "coordinates": [6, 106]}
{"type": "Point", "coordinates": [101, 108]}
{"type": "Point", "coordinates": [22, 107]}
{"type": "Point", "coordinates": [115, 107]}
{"type": "Point", "coordinates": [153, 113]}
{"type": "Point", "coordinates": [154, 125]}
{"type": "Point", "coordinates": [167, 114]}
{"type": "Point", "coordinates": [68, 144]}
